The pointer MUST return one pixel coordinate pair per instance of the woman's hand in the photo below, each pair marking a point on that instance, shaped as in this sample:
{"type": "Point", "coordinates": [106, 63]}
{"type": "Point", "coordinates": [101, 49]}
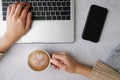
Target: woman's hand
{"type": "Point", "coordinates": [61, 60]}
{"type": "Point", "coordinates": [18, 23]}
{"type": "Point", "coordinates": [64, 61]}
{"type": "Point", "coordinates": [18, 20]}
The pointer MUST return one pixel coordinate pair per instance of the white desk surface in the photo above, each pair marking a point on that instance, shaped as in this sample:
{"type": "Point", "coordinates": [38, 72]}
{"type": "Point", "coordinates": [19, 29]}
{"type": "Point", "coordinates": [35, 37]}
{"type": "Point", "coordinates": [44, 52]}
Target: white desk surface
{"type": "Point", "coordinates": [13, 66]}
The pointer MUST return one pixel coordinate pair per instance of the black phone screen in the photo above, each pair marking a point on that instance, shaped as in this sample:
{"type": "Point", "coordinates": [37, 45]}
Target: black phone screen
{"type": "Point", "coordinates": [94, 24]}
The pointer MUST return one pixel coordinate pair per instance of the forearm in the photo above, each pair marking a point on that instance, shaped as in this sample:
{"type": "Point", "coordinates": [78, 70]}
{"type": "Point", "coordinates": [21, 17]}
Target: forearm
{"type": "Point", "coordinates": [83, 70]}
{"type": "Point", "coordinates": [5, 43]}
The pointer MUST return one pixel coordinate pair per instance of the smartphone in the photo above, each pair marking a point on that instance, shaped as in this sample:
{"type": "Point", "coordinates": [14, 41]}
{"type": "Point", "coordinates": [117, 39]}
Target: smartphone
{"type": "Point", "coordinates": [94, 24]}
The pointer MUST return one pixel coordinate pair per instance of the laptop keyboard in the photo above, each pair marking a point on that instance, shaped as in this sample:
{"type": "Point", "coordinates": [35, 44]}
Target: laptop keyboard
{"type": "Point", "coordinates": [44, 9]}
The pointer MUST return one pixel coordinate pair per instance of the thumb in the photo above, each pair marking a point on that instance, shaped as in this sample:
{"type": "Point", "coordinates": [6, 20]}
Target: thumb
{"type": "Point", "coordinates": [59, 64]}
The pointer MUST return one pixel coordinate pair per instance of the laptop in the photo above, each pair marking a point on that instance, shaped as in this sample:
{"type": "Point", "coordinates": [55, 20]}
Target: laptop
{"type": "Point", "coordinates": [53, 21]}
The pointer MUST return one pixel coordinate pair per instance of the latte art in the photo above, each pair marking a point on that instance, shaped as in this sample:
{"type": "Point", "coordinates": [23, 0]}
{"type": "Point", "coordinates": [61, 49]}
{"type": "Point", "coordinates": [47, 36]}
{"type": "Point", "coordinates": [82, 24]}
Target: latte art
{"type": "Point", "coordinates": [38, 60]}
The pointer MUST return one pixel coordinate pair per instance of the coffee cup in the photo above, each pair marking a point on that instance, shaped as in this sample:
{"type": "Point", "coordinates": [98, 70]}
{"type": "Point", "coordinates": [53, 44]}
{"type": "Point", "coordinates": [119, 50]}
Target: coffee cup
{"type": "Point", "coordinates": [39, 60]}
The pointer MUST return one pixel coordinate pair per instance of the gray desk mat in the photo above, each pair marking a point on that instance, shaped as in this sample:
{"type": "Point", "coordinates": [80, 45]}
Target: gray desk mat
{"type": "Point", "coordinates": [114, 59]}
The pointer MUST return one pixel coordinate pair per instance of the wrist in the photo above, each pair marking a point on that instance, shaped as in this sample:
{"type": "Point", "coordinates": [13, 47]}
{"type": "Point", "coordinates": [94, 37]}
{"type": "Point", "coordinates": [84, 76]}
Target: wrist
{"type": "Point", "coordinates": [5, 43]}
{"type": "Point", "coordinates": [9, 39]}
{"type": "Point", "coordinates": [83, 70]}
{"type": "Point", "coordinates": [78, 69]}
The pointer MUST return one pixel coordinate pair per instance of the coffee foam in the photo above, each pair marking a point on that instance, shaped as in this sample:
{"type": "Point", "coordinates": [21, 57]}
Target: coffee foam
{"type": "Point", "coordinates": [38, 60]}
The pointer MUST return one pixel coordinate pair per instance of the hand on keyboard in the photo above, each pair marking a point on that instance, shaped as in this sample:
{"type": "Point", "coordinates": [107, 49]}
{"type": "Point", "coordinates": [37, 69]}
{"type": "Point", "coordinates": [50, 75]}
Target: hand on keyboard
{"type": "Point", "coordinates": [18, 20]}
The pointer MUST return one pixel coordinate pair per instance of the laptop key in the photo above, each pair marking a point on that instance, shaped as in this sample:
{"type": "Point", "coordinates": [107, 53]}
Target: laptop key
{"type": "Point", "coordinates": [63, 18]}
{"type": "Point", "coordinates": [43, 13]}
{"type": "Point", "coordinates": [59, 18]}
{"type": "Point", "coordinates": [52, 13]}
{"type": "Point", "coordinates": [65, 13]}
{"type": "Point", "coordinates": [38, 17]}
{"type": "Point", "coordinates": [57, 13]}
{"type": "Point", "coordinates": [40, 8]}
{"type": "Point", "coordinates": [4, 18]}
{"type": "Point", "coordinates": [34, 4]}
{"type": "Point", "coordinates": [44, 4]}
{"type": "Point", "coordinates": [49, 3]}
{"type": "Point", "coordinates": [4, 13]}
{"type": "Point", "coordinates": [39, 4]}
{"type": "Point", "coordinates": [68, 3]}
{"type": "Point", "coordinates": [4, 8]}
{"type": "Point", "coordinates": [59, 8]}
{"type": "Point", "coordinates": [66, 8]}
{"type": "Point", "coordinates": [54, 18]}
{"type": "Point", "coordinates": [38, 13]}
{"type": "Point", "coordinates": [34, 13]}
{"type": "Point", "coordinates": [63, 3]}
{"type": "Point", "coordinates": [68, 17]}
{"type": "Point", "coordinates": [47, 13]}
{"type": "Point", "coordinates": [48, 17]}
{"type": "Point", "coordinates": [36, 8]}
{"type": "Point", "coordinates": [50, 8]}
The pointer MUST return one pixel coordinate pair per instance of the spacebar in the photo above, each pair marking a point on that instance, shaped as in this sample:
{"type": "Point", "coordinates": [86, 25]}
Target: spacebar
{"type": "Point", "coordinates": [38, 18]}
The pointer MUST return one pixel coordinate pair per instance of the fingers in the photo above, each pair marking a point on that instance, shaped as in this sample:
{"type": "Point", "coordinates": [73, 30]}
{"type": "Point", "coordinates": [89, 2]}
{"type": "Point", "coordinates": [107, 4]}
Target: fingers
{"type": "Point", "coordinates": [57, 56]}
{"type": "Point", "coordinates": [28, 21]}
{"type": "Point", "coordinates": [25, 11]}
{"type": "Point", "coordinates": [13, 8]}
{"type": "Point", "coordinates": [55, 67]}
{"type": "Point", "coordinates": [9, 10]}
{"type": "Point", "coordinates": [19, 9]}
{"type": "Point", "coordinates": [59, 64]}
{"type": "Point", "coordinates": [59, 60]}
